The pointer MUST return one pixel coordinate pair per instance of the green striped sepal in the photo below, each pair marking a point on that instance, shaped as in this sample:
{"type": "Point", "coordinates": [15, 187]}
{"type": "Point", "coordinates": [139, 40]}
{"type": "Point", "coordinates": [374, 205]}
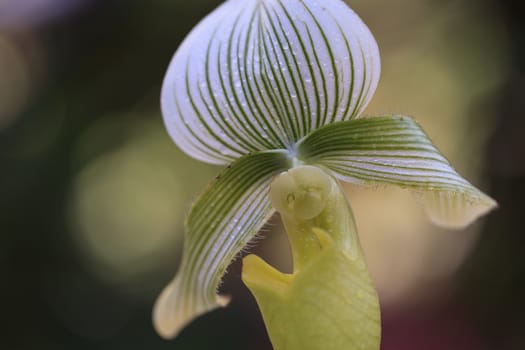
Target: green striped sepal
{"type": "Point", "coordinates": [261, 74]}
{"type": "Point", "coordinates": [221, 221]}
{"type": "Point", "coordinates": [394, 150]}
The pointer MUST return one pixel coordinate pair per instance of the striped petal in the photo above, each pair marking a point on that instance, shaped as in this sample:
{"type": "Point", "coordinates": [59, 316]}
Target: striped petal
{"type": "Point", "coordinates": [396, 151]}
{"type": "Point", "coordinates": [261, 74]}
{"type": "Point", "coordinates": [222, 220]}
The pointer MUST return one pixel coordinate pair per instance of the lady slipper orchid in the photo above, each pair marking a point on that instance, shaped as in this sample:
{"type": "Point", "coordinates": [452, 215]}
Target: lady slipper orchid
{"type": "Point", "coordinates": [267, 86]}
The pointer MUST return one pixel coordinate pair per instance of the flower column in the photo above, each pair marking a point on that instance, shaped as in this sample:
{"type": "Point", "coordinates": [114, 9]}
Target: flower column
{"type": "Point", "coordinates": [329, 301]}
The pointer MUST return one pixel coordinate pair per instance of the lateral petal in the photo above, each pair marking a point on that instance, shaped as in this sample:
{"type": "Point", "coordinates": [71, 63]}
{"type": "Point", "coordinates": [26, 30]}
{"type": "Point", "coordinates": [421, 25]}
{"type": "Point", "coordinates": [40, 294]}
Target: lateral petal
{"type": "Point", "coordinates": [394, 150]}
{"type": "Point", "coordinates": [221, 221]}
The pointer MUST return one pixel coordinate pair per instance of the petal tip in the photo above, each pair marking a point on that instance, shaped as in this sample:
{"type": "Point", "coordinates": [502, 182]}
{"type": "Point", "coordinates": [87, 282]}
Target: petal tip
{"type": "Point", "coordinates": [457, 211]}
{"type": "Point", "coordinates": [173, 311]}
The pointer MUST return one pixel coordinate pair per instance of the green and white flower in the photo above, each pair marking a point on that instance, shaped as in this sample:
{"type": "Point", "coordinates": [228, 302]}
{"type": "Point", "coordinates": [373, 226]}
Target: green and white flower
{"type": "Point", "coordinates": [264, 86]}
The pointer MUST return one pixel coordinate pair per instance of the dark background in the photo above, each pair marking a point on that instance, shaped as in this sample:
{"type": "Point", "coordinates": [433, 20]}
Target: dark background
{"type": "Point", "coordinates": [101, 63]}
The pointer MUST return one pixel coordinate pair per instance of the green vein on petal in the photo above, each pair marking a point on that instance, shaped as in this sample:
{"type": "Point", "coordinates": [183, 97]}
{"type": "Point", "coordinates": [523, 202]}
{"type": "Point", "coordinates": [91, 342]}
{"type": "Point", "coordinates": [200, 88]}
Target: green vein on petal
{"type": "Point", "coordinates": [394, 150]}
{"type": "Point", "coordinates": [261, 74]}
{"type": "Point", "coordinates": [221, 221]}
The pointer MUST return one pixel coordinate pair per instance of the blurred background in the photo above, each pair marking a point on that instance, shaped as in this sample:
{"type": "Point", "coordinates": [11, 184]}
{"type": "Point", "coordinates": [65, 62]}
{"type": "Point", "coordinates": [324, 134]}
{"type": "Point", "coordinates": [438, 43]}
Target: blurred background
{"type": "Point", "coordinates": [93, 192]}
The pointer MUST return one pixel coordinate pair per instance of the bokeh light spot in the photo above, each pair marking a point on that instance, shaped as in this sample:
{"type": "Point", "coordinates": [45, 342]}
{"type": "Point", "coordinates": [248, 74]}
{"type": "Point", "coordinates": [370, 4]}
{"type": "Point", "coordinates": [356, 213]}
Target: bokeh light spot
{"type": "Point", "coordinates": [14, 81]}
{"type": "Point", "coordinates": [129, 203]}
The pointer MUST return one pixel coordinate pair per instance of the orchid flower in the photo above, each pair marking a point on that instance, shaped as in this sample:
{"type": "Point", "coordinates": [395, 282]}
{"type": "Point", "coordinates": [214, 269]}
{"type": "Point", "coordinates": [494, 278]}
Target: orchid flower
{"type": "Point", "coordinates": [267, 86]}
